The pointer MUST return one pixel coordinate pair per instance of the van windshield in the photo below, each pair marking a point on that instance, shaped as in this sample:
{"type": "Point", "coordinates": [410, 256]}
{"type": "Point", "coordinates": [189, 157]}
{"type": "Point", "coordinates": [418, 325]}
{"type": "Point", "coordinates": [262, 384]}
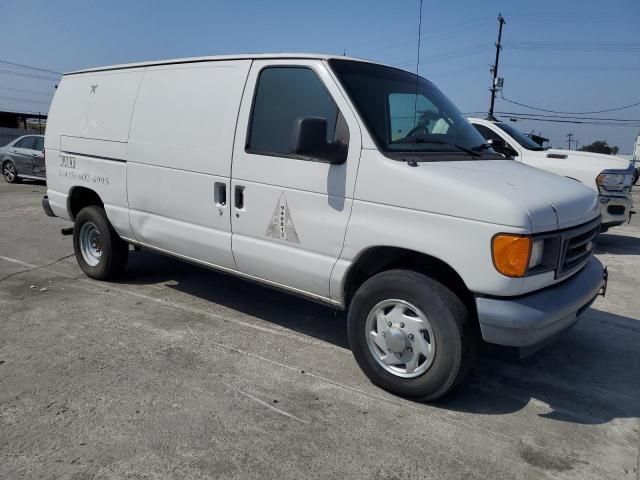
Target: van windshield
{"type": "Point", "coordinates": [405, 113]}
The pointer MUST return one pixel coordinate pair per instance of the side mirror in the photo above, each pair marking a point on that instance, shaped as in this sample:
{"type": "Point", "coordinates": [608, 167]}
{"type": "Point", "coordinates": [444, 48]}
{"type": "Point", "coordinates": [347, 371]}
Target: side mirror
{"type": "Point", "coordinates": [500, 146]}
{"type": "Point", "coordinates": [497, 143]}
{"type": "Point", "coordinates": [309, 139]}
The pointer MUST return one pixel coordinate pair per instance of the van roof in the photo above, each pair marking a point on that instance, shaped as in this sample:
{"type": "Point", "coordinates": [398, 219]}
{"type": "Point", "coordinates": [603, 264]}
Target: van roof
{"type": "Point", "coordinates": [315, 56]}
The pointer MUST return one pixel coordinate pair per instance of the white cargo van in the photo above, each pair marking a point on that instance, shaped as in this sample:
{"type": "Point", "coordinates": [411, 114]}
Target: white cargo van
{"type": "Point", "coordinates": [329, 178]}
{"type": "Point", "coordinates": [610, 176]}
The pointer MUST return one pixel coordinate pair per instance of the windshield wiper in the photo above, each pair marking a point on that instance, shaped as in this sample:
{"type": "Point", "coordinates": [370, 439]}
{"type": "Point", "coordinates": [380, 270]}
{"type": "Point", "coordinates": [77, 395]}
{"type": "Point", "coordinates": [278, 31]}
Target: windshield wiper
{"type": "Point", "coordinates": [483, 146]}
{"type": "Point", "coordinates": [442, 142]}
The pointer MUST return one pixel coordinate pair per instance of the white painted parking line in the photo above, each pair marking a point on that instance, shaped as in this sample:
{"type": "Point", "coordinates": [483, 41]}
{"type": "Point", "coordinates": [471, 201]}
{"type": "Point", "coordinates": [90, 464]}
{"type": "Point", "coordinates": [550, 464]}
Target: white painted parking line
{"type": "Point", "coordinates": [263, 403]}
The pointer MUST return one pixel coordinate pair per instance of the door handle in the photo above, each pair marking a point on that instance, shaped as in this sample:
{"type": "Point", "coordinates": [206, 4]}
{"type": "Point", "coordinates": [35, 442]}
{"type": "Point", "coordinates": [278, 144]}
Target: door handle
{"type": "Point", "coordinates": [239, 197]}
{"type": "Point", "coordinates": [220, 194]}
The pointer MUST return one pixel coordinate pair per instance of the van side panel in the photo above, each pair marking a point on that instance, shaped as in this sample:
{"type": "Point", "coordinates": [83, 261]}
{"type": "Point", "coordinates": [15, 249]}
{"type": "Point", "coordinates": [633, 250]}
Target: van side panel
{"type": "Point", "coordinates": [86, 139]}
{"type": "Point", "coordinates": [185, 116]}
{"type": "Point", "coordinates": [179, 158]}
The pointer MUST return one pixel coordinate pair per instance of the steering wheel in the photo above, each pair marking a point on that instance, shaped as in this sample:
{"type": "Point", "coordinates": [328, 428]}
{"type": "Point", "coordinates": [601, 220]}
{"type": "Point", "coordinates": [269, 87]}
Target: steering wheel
{"type": "Point", "coordinates": [418, 128]}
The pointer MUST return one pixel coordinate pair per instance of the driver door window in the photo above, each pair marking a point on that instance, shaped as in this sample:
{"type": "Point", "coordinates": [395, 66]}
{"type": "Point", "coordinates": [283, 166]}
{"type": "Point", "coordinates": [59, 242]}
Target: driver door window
{"type": "Point", "coordinates": [26, 142]}
{"type": "Point", "coordinates": [410, 115]}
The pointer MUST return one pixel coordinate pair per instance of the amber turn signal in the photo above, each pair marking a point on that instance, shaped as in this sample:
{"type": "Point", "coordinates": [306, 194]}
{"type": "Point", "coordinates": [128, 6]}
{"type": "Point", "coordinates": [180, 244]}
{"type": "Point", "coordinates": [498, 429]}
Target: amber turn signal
{"type": "Point", "coordinates": [511, 254]}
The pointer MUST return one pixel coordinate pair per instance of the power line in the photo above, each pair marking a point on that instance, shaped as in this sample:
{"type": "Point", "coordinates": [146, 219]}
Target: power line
{"type": "Point", "coordinates": [570, 117]}
{"type": "Point", "coordinates": [576, 122]}
{"type": "Point", "coordinates": [575, 46]}
{"type": "Point", "coordinates": [27, 91]}
{"type": "Point", "coordinates": [29, 75]}
{"type": "Point", "coordinates": [569, 113]}
{"type": "Point", "coordinates": [450, 55]}
{"type": "Point", "coordinates": [24, 100]}
{"type": "Point", "coordinates": [544, 68]}
{"type": "Point", "coordinates": [6, 62]}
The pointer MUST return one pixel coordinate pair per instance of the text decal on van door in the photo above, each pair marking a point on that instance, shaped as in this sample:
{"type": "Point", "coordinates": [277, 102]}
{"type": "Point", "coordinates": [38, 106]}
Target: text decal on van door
{"type": "Point", "coordinates": [281, 225]}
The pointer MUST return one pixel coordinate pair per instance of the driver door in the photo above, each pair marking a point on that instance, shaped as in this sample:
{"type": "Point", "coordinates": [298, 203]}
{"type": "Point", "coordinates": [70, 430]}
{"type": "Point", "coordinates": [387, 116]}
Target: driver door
{"type": "Point", "coordinates": [290, 214]}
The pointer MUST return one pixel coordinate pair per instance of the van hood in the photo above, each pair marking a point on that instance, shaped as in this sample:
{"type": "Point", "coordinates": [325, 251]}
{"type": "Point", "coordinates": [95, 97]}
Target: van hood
{"type": "Point", "coordinates": [503, 192]}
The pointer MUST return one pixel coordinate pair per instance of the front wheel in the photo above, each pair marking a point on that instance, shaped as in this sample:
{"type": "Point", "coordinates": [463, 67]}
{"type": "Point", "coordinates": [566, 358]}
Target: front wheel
{"type": "Point", "coordinates": [9, 172]}
{"type": "Point", "coordinates": [100, 252]}
{"type": "Point", "coordinates": [410, 334]}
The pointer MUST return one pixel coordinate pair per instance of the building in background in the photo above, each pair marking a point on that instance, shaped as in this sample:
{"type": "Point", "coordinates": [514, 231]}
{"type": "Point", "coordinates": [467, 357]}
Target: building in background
{"type": "Point", "coordinates": [16, 124]}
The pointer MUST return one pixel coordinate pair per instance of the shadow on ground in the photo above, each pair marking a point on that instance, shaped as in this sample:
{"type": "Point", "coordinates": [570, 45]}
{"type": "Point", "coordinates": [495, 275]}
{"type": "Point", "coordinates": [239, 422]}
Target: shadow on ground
{"type": "Point", "coordinates": [273, 306]}
{"type": "Point", "coordinates": [590, 376]}
{"type": "Point", "coordinates": [618, 244]}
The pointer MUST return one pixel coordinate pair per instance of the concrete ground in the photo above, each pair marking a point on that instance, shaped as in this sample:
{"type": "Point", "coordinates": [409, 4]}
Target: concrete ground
{"type": "Point", "coordinates": [180, 372]}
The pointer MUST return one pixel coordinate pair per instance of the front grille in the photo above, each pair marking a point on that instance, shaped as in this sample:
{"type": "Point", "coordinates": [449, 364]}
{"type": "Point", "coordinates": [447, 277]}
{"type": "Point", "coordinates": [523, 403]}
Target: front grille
{"type": "Point", "coordinates": [577, 246]}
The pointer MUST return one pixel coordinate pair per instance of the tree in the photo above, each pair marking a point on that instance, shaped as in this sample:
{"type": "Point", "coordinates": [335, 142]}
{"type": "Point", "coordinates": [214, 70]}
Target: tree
{"type": "Point", "coordinates": [600, 146]}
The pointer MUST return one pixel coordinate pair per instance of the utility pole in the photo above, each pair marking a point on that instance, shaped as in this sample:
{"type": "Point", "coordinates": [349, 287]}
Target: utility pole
{"type": "Point", "coordinates": [569, 139]}
{"type": "Point", "coordinates": [494, 68]}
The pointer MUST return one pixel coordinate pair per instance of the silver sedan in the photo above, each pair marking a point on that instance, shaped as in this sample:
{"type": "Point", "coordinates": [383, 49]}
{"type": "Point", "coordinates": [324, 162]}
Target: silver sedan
{"type": "Point", "coordinates": [23, 158]}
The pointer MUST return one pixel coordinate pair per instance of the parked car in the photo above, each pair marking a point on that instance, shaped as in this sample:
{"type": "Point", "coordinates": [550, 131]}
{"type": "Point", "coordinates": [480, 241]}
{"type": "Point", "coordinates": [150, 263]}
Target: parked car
{"type": "Point", "coordinates": [23, 158]}
{"type": "Point", "coordinates": [611, 177]}
{"type": "Point", "coordinates": [429, 239]}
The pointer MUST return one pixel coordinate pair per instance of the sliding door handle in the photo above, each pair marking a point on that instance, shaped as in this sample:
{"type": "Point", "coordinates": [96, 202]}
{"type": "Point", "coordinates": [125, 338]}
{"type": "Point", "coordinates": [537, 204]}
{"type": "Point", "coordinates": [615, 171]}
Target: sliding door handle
{"type": "Point", "coordinates": [239, 197]}
{"type": "Point", "coordinates": [220, 194]}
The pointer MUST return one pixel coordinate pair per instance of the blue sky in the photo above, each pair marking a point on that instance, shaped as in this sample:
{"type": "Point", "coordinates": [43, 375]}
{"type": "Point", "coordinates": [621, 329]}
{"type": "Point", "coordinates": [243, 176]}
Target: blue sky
{"type": "Point", "coordinates": [568, 74]}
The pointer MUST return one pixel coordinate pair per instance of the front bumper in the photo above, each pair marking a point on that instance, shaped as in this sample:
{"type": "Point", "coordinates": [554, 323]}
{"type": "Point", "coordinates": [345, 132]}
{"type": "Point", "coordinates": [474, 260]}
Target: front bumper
{"type": "Point", "coordinates": [534, 318]}
{"type": "Point", "coordinates": [615, 210]}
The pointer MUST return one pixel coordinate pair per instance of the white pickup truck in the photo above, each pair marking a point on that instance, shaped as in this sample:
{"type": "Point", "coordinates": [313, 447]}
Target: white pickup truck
{"type": "Point", "coordinates": [348, 182]}
{"type": "Point", "coordinates": [608, 175]}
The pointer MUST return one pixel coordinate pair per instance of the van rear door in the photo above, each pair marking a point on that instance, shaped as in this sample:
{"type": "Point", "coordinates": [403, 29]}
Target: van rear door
{"type": "Point", "coordinates": [290, 212]}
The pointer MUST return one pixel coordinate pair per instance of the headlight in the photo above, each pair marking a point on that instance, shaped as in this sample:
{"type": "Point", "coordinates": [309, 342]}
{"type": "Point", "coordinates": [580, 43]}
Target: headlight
{"type": "Point", "coordinates": [537, 252]}
{"type": "Point", "coordinates": [520, 255]}
{"type": "Point", "coordinates": [511, 254]}
{"type": "Point", "coordinates": [611, 181]}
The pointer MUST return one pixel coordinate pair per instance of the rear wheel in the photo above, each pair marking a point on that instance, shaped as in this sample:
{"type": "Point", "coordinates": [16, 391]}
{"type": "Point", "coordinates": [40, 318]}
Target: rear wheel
{"type": "Point", "coordinates": [100, 252]}
{"type": "Point", "coordinates": [9, 172]}
{"type": "Point", "coordinates": [410, 334]}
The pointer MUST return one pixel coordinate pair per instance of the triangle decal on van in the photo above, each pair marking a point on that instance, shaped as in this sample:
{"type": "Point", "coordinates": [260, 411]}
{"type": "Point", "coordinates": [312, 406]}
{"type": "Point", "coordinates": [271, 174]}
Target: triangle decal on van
{"type": "Point", "coordinates": [281, 225]}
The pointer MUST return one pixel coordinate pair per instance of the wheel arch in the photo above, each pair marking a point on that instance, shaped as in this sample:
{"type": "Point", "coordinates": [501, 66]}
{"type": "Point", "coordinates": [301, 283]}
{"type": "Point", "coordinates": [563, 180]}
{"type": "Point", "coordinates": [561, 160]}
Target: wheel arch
{"type": "Point", "coordinates": [81, 197]}
{"type": "Point", "coordinates": [378, 259]}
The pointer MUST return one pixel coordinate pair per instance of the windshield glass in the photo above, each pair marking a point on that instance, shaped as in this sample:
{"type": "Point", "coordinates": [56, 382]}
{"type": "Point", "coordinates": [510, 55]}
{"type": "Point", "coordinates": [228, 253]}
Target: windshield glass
{"type": "Point", "coordinates": [519, 137]}
{"type": "Point", "coordinates": [401, 121]}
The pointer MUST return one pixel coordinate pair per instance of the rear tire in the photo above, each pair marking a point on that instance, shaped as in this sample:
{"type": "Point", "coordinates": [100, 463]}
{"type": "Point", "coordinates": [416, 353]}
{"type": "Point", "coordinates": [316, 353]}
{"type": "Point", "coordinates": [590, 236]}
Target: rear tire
{"type": "Point", "coordinates": [100, 251]}
{"type": "Point", "coordinates": [9, 172]}
{"type": "Point", "coordinates": [419, 317]}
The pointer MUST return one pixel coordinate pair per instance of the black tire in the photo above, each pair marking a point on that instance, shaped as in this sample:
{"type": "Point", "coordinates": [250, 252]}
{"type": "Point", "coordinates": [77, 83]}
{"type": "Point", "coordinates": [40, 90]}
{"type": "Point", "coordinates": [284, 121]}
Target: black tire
{"type": "Point", "coordinates": [114, 250]}
{"type": "Point", "coordinates": [10, 172]}
{"type": "Point", "coordinates": [455, 338]}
